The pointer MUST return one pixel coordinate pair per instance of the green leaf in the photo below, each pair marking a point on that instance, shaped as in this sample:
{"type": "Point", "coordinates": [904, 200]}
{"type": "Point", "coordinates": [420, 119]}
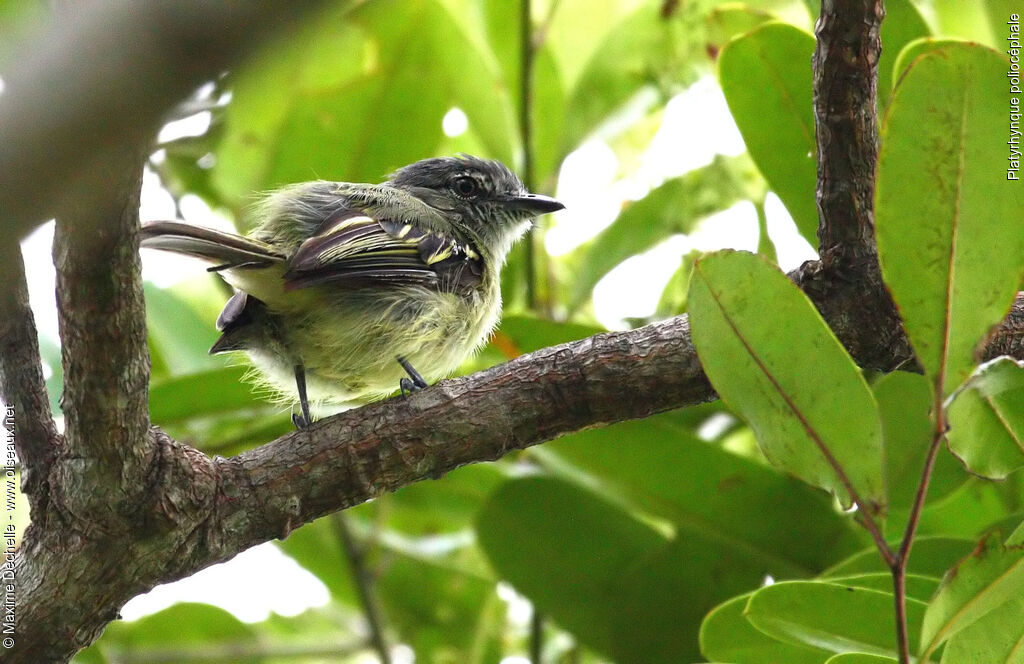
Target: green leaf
{"type": "Point", "coordinates": [673, 208]}
{"type": "Point", "coordinates": [360, 92]}
{"type": "Point", "coordinates": [728, 21]}
{"type": "Point", "coordinates": [859, 658]}
{"type": "Point", "coordinates": [185, 626]}
{"type": "Point", "coordinates": [621, 586]}
{"type": "Point", "coordinates": [998, 637]}
{"type": "Point", "coordinates": [727, 636]}
{"type": "Point", "coordinates": [836, 618]}
{"type": "Point", "coordinates": [992, 575]}
{"type": "Point", "coordinates": [914, 50]}
{"type": "Point", "coordinates": [941, 199]}
{"type": "Point", "coordinates": [933, 556]}
{"type": "Point", "coordinates": [177, 334]}
{"type": "Point", "coordinates": [987, 420]}
{"type": "Point", "coordinates": [919, 587]}
{"type": "Point", "coordinates": [741, 508]}
{"type": "Point", "coordinates": [212, 392]}
{"type": "Point", "coordinates": [902, 24]}
{"type": "Point", "coordinates": [904, 403]}
{"type": "Point", "coordinates": [640, 63]}
{"type": "Point", "coordinates": [766, 78]}
{"type": "Point", "coordinates": [784, 371]}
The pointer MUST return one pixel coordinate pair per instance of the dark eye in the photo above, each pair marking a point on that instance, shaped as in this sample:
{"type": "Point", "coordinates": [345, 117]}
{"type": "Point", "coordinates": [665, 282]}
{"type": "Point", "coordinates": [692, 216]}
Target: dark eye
{"type": "Point", "coordinates": [465, 186]}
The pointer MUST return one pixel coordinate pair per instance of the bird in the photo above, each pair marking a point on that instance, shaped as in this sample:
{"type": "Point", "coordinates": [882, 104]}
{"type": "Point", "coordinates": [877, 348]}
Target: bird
{"type": "Point", "coordinates": [345, 293]}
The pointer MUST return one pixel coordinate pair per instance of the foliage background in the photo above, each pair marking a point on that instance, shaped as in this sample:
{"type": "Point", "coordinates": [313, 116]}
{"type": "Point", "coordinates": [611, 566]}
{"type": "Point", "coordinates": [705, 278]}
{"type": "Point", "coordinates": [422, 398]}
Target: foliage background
{"type": "Point", "coordinates": [623, 538]}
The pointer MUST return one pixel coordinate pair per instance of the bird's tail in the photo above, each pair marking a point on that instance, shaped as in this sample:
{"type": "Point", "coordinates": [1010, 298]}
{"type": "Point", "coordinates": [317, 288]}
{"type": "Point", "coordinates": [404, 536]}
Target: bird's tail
{"type": "Point", "coordinates": [225, 250]}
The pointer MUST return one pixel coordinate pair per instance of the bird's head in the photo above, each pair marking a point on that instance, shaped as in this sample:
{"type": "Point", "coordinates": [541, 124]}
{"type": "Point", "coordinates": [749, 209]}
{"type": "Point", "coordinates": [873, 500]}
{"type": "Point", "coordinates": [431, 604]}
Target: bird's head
{"type": "Point", "coordinates": [481, 197]}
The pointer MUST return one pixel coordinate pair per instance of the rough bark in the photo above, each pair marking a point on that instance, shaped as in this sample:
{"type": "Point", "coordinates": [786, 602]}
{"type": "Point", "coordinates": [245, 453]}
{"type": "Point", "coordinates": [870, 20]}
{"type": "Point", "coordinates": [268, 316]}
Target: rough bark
{"type": "Point", "coordinates": [157, 510]}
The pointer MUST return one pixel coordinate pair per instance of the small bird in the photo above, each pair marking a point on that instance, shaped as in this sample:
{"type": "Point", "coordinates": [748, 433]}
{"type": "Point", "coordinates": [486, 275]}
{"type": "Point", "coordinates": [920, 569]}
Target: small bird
{"type": "Point", "coordinates": [347, 291]}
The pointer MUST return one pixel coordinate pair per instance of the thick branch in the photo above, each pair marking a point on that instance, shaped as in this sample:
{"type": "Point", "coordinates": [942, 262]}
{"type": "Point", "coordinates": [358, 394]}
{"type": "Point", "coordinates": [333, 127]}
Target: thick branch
{"type": "Point", "coordinates": [102, 320]}
{"type": "Point", "coordinates": [22, 386]}
{"type": "Point", "coordinates": [845, 61]}
{"type": "Point", "coordinates": [106, 73]}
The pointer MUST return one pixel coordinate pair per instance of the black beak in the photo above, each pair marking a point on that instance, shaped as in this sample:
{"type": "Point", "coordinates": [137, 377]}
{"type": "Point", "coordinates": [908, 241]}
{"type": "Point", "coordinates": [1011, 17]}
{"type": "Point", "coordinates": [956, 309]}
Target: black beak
{"type": "Point", "coordinates": [534, 203]}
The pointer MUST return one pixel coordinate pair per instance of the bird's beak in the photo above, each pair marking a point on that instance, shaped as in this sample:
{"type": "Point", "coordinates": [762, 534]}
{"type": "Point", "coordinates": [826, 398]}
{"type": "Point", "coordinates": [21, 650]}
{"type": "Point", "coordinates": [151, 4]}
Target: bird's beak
{"type": "Point", "coordinates": [534, 203]}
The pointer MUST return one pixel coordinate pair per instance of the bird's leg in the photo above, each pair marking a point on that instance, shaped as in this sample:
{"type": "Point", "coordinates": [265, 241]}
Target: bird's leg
{"type": "Point", "coordinates": [304, 420]}
{"type": "Point", "coordinates": [414, 382]}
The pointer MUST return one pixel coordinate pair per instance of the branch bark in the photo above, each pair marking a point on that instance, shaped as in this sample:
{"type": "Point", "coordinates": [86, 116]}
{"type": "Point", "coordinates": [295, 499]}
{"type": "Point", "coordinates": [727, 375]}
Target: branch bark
{"type": "Point", "coordinates": [22, 386]}
{"type": "Point", "coordinates": [182, 511]}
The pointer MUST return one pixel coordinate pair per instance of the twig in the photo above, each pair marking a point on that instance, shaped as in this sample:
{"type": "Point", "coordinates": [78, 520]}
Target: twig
{"type": "Point", "coordinates": [536, 636]}
{"type": "Point", "coordinates": [356, 554]}
{"type": "Point", "coordinates": [527, 51]}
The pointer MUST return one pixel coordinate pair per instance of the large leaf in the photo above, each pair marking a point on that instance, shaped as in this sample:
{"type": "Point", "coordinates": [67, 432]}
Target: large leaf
{"type": "Point", "coordinates": [991, 576]}
{"type": "Point", "coordinates": [783, 370]}
{"type": "Point", "coordinates": [727, 636]}
{"type": "Point", "coordinates": [902, 24]}
{"type": "Point", "coordinates": [949, 240]}
{"type": "Point", "coordinates": [987, 420]}
{"type": "Point", "coordinates": [621, 586]}
{"type": "Point", "coordinates": [674, 207]}
{"type": "Point", "coordinates": [359, 93]}
{"type": "Point", "coordinates": [766, 78]}
{"type": "Point", "coordinates": [836, 618]}
{"type": "Point", "coordinates": [933, 556]}
{"type": "Point", "coordinates": [785, 528]}
{"type": "Point", "coordinates": [904, 402]}
{"type": "Point", "coordinates": [999, 637]}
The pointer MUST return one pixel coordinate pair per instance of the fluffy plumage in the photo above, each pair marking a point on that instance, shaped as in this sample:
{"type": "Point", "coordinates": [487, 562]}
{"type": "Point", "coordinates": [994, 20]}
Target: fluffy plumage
{"type": "Point", "coordinates": [337, 281]}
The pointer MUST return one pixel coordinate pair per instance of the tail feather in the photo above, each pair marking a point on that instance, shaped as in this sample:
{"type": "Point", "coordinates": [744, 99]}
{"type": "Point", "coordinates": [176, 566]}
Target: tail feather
{"type": "Point", "coordinates": [223, 249]}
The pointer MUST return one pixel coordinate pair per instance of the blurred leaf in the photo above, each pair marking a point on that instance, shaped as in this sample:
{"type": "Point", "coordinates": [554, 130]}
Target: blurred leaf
{"type": "Point", "coordinates": [971, 20]}
{"type": "Point", "coordinates": [641, 62]}
{"type": "Point", "coordinates": [787, 375]}
{"type": "Point", "coordinates": [360, 93]}
{"type": "Point", "coordinates": [973, 509]}
{"type": "Point", "coordinates": [783, 527]}
{"type": "Point", "coordinates": [904, 402]}
{"type": "Point", "coordinates": [185, 625]}
{"type": "Point", "coordinates": [179, 339]}
{"type": "Point", "coordinates": [620, 586]}
{"type": "Point", "coordinates": [766, 78]}
{"type": "Point", "coordinates": [676, 296]}
{"type": "Point", "coordinates": [445, 505]}
{"type": "Point", "coordinates": [727, 636]}
{"type": "Point", "coordinates": [859, 658]}
{"type": "Point", "coordinates": [902, 24]}
{"type": "Point", "coordinates": [998, 637]}
{"type": "Point", "coordinates": [933, 556]}
{"type": "Point", "coordinates": [674, 207]}
{"type": "Point", "coordinates": [836, 618]}
{"type": "Point", "coordinates": [50, 355]}
{"type": "Point", "coordinates": [987, 420]}
{"type": "Point", "coordinates": [991, 576]}
{"type": "Point", "coordinates": [317, 547]}
{"type": "Point", "coordinates": [914, 50]}
{"type": "Point", "coordinates": [440, 612]}
{"type": "Point", "coordinates": [940, 201]}
{"type": "Point", "coordinates": [210, 392]}
{"type": "Point", "coordinates": [730, 20]}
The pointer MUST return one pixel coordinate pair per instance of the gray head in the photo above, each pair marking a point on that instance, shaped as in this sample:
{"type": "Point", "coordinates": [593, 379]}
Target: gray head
{"type": "Point", "coordinates": [481, 197]}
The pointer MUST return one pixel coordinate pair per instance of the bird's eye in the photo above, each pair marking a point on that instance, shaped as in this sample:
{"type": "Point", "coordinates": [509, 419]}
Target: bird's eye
{"type": "Point", "coordinates": [465, 186]}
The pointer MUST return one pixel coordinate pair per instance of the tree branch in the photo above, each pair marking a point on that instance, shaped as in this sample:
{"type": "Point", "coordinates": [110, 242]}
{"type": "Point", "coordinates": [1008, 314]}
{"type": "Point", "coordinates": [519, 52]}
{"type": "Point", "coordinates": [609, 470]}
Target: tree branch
{"type": "Point", "coordinates": [845, 63]}
{"type": "Point", "coordinates": [102, 320]}
{"type": "Point", "coordinates": [22, 386]}
{"type": "Point", "coordinates": [62, 111]}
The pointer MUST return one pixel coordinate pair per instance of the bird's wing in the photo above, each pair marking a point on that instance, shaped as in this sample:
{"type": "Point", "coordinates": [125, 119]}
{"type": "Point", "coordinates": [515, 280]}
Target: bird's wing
{"type": "Point", "coordinates": [226, 250]}
{"type": "Point", "coordinates": [356, 249]}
